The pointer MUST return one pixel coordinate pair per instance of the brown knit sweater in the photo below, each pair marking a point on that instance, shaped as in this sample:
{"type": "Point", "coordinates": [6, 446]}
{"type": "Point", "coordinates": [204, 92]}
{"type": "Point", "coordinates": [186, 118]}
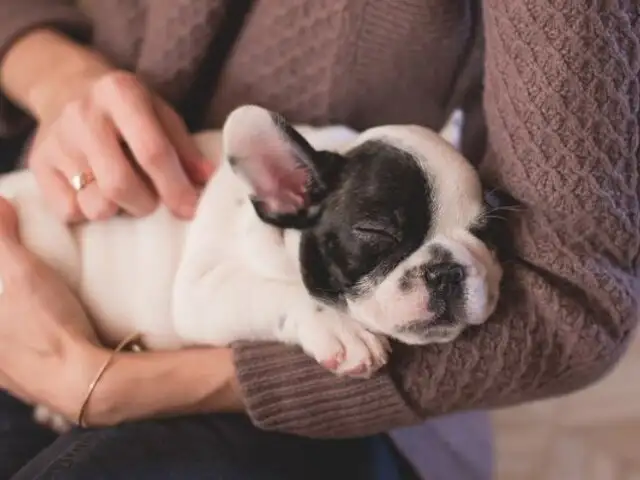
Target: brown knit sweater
{"type": "Point", "coordinates": [561, 102]}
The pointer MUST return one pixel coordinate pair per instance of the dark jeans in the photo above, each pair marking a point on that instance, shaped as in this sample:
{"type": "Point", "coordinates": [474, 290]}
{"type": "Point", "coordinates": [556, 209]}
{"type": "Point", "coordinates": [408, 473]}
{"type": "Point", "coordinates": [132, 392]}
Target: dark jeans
{"type": "Point", "coordinates": [198, 447]}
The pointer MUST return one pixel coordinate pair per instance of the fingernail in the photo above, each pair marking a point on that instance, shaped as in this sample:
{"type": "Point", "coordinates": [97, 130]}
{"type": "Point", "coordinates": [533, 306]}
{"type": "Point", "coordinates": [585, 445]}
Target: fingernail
{"type": "Point", "coordinates": [206, 168]}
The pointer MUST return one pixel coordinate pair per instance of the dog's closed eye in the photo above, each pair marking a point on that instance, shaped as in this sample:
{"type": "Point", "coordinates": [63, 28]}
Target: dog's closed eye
{"type": "Point", "coordinates": [374, 231]}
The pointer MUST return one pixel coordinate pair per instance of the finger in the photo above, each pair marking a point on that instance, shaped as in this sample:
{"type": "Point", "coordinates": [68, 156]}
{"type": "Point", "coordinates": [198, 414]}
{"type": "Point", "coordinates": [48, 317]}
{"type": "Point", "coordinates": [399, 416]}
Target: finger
{"type": "Point", "coordinates": [57, 190]}
{"type": "Point", "coordinates": [113, 172]}
{"type": "Point", "coordinates": [93, 204]}
{"type": "Point", "coordinates": [133, 112]}
{"type": "Point", "coordinates": [198, 168]}
{"type": "Point", "coordinates": [14, 388]}
{"type": "Point", "coordinates": [14, 258]}
{"type": "Point", "coordinates": [43, 156]}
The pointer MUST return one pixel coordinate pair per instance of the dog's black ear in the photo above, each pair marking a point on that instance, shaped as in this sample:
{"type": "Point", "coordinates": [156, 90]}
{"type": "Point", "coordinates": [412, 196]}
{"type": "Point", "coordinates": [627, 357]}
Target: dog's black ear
{"type": "Point", "coordinates": [496, 198]}
{"type": "Point", "coordinates": [286, 176]}
{"type": "Point", "coordinates": [494, 228]}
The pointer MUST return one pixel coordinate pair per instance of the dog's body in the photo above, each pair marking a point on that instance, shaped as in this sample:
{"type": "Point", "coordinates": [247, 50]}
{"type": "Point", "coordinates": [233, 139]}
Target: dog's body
{"type": "Point", "coordinates": [289, 244]}
{"type": "Point", "coordinates": [128, 272]}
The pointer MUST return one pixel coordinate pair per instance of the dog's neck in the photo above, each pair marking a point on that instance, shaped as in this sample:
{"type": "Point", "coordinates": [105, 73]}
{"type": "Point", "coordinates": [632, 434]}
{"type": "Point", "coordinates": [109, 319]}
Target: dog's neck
{"type": "Point", "coordinates": [270, 252]}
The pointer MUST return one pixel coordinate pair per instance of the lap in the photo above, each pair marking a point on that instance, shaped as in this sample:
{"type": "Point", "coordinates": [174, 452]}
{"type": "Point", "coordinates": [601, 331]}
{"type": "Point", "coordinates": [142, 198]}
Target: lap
{"type": "Point", "coordinates": [20, 437]}
{"type": "Point", "coordinates": [208, 446]}
{"type": "Point", "coordinates": [230, 447]}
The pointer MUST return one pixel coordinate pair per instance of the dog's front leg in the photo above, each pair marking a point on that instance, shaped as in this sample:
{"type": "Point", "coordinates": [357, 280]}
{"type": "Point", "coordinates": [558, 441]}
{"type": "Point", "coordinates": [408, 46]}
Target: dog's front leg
{"type": "Point", "coordinates": [335, 340]}
{"type": "Point", "coordinates": [228, 304]}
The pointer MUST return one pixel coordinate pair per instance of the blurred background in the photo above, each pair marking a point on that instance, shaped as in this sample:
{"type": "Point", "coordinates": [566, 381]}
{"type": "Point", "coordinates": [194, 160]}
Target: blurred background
{"type": "Point", "coordinates": [590, 435]}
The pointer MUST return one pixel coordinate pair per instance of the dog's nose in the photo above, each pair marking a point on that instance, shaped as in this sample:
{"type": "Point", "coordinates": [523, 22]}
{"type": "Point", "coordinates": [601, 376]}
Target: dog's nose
{"type": "Point", "coordinates": [444, 275]}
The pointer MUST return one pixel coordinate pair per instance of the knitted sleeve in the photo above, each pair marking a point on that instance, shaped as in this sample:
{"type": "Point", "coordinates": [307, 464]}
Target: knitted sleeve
{"type": "Point", "coordinates": [562, 105]}
{"type": "Point", "coordinates": [18, 17]}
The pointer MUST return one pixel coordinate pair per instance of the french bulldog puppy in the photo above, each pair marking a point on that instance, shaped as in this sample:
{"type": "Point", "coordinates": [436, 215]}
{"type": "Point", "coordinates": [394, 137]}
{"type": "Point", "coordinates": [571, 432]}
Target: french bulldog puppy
{"type": "Point", "coordinates": [325, 238]}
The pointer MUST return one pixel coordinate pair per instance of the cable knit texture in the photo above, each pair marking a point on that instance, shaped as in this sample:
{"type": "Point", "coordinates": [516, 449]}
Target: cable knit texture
{"type": "Point", "coordinates": [553, 90]}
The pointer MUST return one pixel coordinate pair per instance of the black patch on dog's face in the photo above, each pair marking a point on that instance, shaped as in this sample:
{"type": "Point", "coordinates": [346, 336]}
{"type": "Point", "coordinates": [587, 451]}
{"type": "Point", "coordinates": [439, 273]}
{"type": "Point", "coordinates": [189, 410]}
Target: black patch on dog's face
{"type": "Point", "coordinates": [376, 215]}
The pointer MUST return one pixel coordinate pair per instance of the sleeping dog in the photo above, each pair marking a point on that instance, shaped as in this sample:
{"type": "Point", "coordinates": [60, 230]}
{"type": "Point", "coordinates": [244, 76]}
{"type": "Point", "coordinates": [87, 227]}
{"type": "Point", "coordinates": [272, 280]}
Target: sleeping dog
{"type": "Point", "coordinates": [325, 238]}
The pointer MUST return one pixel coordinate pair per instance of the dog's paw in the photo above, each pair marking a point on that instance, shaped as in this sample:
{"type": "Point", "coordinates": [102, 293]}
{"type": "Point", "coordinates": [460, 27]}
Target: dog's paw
{"type": "Point", "coordinates": [56, 422]}
{"type": "Point", "coordinates": [341, 344]}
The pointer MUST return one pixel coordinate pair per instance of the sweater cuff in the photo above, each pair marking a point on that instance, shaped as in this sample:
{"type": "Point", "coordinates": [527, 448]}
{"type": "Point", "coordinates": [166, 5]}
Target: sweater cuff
{"type": "Point", "coordinates": [20, 17]}
{"type": "Point", "coordinates": [287, 391]}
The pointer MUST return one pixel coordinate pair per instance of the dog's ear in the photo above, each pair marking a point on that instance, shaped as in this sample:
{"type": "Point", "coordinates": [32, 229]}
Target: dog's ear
{"type": "Point", "coordinates": [286, 176]}
{"type": "Point", "coordinates": [494, 230]}
{"type": "Point", "coordinates": [497, 199]}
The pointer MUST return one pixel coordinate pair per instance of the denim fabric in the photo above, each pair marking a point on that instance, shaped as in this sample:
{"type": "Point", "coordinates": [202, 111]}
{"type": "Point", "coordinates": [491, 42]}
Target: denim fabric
{"type": "Point", "coordinates": [199, 447]}
{"type": "Point", "coordinates": [20, 437]}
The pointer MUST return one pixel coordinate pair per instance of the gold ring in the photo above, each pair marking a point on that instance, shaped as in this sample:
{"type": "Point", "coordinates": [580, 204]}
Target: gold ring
{"type": "Point", "coordinates": [81, 180]}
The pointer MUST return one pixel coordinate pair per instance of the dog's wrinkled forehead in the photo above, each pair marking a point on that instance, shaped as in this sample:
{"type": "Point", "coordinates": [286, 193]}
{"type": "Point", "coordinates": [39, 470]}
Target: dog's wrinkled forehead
{"type": "Point", "coordinates": [383, 180]}
{"type": "Point", "coordinates": [454, 183]}
{"type": "Point", "coordinates": [382, 190]}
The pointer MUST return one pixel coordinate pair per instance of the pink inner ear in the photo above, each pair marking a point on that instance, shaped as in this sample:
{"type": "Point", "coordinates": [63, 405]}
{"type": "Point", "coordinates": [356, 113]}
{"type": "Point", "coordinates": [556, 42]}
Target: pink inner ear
{"type": "Point", "coordinates": [282, 190]}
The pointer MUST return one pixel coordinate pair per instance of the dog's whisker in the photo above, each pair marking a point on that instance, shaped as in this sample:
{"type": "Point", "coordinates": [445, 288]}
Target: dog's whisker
{"type": "Point", "coordinates": [506, 208]}
{"type": "Point", "coordinates": [494, 217]}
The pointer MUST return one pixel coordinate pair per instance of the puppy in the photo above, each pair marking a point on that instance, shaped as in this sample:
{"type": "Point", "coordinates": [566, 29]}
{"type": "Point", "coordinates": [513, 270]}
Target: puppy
{"type": "Point", "coordinates": [324, 238]}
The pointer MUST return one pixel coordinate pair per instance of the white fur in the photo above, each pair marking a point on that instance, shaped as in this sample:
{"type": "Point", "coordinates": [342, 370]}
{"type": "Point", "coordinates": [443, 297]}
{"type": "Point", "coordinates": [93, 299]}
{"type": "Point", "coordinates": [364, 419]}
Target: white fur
{"type": "Point", "coordinates": [225, 276]}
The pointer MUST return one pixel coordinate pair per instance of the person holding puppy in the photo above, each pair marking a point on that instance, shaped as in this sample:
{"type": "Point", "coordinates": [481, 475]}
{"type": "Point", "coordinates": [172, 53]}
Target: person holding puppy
{"type": "Point", "coordinates": [113, 88]}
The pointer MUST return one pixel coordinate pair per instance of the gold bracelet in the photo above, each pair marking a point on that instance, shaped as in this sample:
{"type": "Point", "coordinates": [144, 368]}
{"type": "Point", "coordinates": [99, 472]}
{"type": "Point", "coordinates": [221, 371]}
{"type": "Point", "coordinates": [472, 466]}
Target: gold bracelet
{"type": "Point", "coordinates": [92, 386]}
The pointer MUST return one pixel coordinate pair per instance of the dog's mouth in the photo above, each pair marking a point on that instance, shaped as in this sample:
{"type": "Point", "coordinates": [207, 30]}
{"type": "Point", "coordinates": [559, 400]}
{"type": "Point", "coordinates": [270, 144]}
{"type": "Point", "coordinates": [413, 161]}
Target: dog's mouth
{"type": "Point", "coordinates": [447, 319]}
{"type": "Point", "coordinates": [422, 327]}
{"type": "Point", "coordinates": [443, 330]}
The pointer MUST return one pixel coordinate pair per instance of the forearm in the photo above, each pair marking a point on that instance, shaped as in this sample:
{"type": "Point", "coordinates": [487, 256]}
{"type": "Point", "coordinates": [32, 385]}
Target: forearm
{"type": "Point", "coordinates": [43, 70]}
{"type": "Point", "coordinates": [18, 18]}
{"type": "Point", "coordinates": [568, 151]}
{"type": "Point", "coordinates": [156, 384]}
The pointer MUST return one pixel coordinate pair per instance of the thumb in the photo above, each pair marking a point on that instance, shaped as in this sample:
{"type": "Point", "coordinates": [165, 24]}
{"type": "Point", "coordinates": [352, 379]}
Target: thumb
{"type": "Point", "coordinates": [12, 254]}
{"type": "Point", "coordinates": [9, 230]}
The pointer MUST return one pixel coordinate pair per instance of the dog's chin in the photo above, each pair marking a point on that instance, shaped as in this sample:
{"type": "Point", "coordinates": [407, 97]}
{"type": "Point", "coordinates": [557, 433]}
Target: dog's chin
{"type": "Point", "coordinates": [430, 335]}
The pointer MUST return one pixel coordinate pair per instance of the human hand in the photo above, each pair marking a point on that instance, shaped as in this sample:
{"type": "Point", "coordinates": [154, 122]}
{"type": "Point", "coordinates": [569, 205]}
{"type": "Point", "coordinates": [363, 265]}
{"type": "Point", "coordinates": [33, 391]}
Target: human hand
{"type": "Point", "coordinates": [44, 332]}
{"type": "Point", "coordinates": [133, 144]}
